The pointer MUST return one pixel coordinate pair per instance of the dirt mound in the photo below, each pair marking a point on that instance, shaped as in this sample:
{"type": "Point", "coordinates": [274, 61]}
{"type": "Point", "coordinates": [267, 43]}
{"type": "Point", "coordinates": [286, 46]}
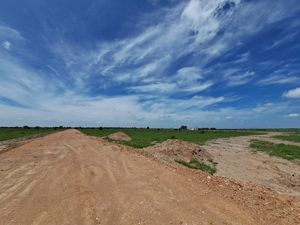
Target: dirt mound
{"type": "Point", "coordinates": [171, 150]}
{"type": "Point", "coordinates": [119, 136]}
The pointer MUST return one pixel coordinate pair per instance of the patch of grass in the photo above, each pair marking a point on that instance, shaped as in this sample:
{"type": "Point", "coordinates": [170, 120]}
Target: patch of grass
{"type": "Point", "coordinates": [12, 133]}
{"type": "Point", "coordinates": [294, 137]}
{"type": "Point", "coordinates": [194, 164]}
{"type": "Point", "coordinates": [288, 152]}
{"type": "Point", "coordinates": [145, 137]}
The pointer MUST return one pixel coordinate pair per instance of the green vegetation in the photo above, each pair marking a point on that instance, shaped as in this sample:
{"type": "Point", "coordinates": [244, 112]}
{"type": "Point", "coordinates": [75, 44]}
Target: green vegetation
{"type": "Point", "coordinates": [145, 137]}
{"type": "Point", "coordinates": [288, 152]}
{"type": "Point", "coordinates": [213, 162]}
{"type": "Point", "coordinates": [294, 137]}
{"type": "Point", "coordinates": [12, 133]}
{"type": "Point", "coordinates": [194, 164]}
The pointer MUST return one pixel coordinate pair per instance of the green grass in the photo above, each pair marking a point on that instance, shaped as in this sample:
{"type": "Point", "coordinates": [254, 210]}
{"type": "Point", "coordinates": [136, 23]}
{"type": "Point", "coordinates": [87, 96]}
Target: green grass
{"type": "Point", "coordinates": [194, 164]}
{"type": "Point", "coordinates": [145, 137]}
{"type": "Point", "coordinates": [12, 133]}
{"type": "Point", "coordinates": [294, 137]}
{"type": "Point", "coordinates": [288, 152]}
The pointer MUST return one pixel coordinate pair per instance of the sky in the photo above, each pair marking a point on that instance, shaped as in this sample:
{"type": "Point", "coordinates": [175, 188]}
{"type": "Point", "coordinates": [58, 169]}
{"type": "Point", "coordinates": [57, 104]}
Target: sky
{"type": "Point", "coordinates": [157, 63]}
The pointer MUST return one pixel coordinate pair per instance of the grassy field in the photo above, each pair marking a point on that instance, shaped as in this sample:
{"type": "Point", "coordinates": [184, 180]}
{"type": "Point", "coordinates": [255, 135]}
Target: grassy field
{"type": "Point", "coordinates": [194, 164]}
{"type": "Point", "coordinates": [12, 133]}
{"type": "Point", "coordinates": [288, 152]}
{"type": "Point", "coordinates": [146, 137]}
{"type": "Point", "coordinates": [294, 137]}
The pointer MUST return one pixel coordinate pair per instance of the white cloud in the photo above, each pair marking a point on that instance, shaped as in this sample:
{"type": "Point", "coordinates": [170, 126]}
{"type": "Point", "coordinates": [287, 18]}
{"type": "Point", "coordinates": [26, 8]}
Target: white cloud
{"type": "Point", "coordinates": [279, 79]}
{"type": "Point", "coordinates": [6, 45]}
{"type": "Point", "coordinates": [294, 93]}
{"type": "Point", "coordinates": [155, 88]}
{"type": "Point", "coordinates": [293, 115]}
{"type": "Point", "coordinates": [8, 33]}
{"type": "Point", "coordinates": [190, 27]}
{"type": "Point", "coordinates": [235, 77]}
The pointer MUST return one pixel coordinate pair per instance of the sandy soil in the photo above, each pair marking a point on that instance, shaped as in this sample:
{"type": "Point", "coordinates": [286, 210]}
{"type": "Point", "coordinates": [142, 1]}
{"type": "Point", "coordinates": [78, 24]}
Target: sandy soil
{"type": "Point", "coordinates": [236, 160]}
{"type": "Point", "coordinates": [169, 151]}
{"type": "Point", "coordinates": [13, 143]}
{"type": "Point", "coordinates": [69, 178]}
{"type": "Point", "coordinates": [119, 136]}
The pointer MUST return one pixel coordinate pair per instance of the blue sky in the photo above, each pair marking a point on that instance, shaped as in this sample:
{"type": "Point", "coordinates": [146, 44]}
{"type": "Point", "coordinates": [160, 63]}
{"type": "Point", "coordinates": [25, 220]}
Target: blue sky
{"type": "Point", "coordinates": [157, 63]}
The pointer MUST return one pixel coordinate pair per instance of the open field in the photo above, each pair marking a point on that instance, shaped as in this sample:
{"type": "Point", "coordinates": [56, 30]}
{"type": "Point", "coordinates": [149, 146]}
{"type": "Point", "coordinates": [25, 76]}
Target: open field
{"type": "Point", "coordinates": [293, 137]}
{"type": "Point", "coordinates": [12, 133]}
{"type": "Point", "coordinates": [145, 137]}
{"type": "Point", "coordinates": [69, 178]}
{"type": "Point", "coordinates": [284, 151]}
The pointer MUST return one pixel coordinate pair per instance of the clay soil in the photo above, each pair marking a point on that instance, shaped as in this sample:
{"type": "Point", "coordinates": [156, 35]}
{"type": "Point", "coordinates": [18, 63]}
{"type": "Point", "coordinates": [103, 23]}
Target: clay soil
{"type": "Point", "coordinates": [70, 178]}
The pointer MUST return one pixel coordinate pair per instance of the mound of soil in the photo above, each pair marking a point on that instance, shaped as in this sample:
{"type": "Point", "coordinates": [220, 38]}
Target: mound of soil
{"type": "Point", "coordinates": [171, 150]}
{"type": "Point", "coordinates": [119, 136]}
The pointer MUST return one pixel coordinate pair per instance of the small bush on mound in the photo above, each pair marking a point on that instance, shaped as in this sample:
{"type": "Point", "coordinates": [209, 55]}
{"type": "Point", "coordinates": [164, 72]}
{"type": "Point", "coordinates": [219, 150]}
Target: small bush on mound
{"type": "Point", "coordinates": [194, 164]}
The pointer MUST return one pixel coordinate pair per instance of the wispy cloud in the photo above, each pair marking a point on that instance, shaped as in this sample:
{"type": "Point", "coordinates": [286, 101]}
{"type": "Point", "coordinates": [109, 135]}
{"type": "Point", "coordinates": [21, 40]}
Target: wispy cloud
{"type": "Point", "coordinates": [279, 79]}
{"type": "Point", "coordinates": [236, 78]}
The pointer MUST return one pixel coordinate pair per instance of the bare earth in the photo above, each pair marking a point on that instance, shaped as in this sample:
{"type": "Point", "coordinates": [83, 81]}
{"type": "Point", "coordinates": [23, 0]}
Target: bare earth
{"type": "Point", "coordinates": [119, 136]}
{"type": "Point", "coordinates": [69, 178]}
{"type": "Point", "coordinates": [236, 160]}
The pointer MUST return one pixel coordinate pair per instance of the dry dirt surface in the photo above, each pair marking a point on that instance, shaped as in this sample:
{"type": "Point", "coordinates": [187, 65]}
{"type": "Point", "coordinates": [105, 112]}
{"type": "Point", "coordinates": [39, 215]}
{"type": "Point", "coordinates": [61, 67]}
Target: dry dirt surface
{"type": "Point", "coordinates": [236, 160]}
{"type": "Point", "coordinates": [69, 178]}
{"type": "Point", "coordinates": [119, 136]}
{"type": "Point", "coordinates": [171, 150]}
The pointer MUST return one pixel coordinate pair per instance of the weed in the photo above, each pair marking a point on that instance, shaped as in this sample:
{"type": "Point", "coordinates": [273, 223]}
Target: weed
{"type": "Point", "coordinates": [194, 164]}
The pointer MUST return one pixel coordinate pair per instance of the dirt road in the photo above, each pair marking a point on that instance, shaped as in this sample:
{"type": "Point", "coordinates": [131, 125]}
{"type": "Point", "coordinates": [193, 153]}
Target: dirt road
{"type": "Point", "coordinates": [69, 178]}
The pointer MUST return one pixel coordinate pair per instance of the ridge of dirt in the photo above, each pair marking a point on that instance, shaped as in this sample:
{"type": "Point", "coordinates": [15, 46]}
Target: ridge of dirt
{"type": "Point", "coordinates": [69, 178]}
{"type": "Point", "coordinates": [119, 136]}
{"type": "Point", "coordinates": [16, 142]}
{"type": "Point", "coordinates": [171, 150]}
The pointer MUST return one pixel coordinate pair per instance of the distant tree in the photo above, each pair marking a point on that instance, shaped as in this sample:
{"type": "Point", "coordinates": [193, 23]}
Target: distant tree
{"type": "Point", "coordinates": [100, 128]}
{"type": "Point", "coordinates": [148, 128]}
{"type": "Point", "coordinates": [183, 127]}
{"type": "Point", "coordinates": [37, 127]}
{"type": "Point", "coordinates": [26, 127]}
{"type": "Point", "coordinates": [61, 127]}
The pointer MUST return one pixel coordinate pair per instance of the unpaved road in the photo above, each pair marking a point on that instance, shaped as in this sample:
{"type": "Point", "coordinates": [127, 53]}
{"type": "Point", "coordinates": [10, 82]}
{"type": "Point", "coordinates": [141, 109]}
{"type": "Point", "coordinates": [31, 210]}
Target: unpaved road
{"type": "Point", "coordinates": [69, 178]}
{"type": "Point", "coordinates": [236, 160]}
